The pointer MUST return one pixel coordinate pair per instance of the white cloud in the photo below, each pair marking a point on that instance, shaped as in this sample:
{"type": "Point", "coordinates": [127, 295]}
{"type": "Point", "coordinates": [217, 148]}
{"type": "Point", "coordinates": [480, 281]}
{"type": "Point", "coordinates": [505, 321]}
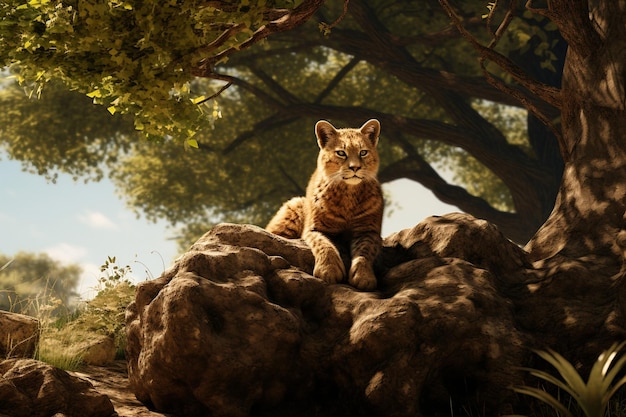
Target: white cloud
{"type": "Point", "coordinates": [66, 253]}
{"type": "Point", "coordinates": [97, 220]}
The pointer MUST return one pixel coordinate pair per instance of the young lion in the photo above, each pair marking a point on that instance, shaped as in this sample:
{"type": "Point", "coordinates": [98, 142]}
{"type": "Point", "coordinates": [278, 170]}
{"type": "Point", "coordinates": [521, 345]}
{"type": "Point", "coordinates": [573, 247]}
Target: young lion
{"type": "Point", "coordinates": [343, 202]}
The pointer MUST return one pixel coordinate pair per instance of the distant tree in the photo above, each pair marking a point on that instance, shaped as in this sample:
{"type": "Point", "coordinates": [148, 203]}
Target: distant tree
{"type": "Point", "coordinates": [62, 132]}
{"type": "Point", "coordinates": [402, 62]}
{"type": "Point", "coordinates": [30, 281]}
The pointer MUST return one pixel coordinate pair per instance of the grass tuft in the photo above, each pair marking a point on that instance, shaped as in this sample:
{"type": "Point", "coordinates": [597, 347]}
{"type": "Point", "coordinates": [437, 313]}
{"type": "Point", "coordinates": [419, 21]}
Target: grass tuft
{"type": "Point", "coordinates": [64, 328]}
{"type": "Point", "coordinates": [592, 397]}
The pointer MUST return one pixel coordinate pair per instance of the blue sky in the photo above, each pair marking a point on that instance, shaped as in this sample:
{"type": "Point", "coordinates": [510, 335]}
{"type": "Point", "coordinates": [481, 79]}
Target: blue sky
{"type": "Point", "coordinates": [82, 223]}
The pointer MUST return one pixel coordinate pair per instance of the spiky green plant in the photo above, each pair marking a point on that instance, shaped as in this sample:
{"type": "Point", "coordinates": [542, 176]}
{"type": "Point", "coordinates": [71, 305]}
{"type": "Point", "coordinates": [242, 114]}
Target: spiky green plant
{"type": "Point", "coordinates": [593, 396]}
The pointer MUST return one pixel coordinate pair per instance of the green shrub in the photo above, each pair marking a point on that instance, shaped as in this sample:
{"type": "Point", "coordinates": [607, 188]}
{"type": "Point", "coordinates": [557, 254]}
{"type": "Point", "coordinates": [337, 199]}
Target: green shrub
{"type": "Point", "coordinates": [102, 315]}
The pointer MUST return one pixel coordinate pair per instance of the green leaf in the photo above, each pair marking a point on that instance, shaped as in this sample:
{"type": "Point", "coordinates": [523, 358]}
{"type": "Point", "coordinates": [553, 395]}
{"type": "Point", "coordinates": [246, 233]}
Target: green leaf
{"type": "Point", "coordinates": [95, 94]}
{"type": "Point", "coordinates": [198, 99]}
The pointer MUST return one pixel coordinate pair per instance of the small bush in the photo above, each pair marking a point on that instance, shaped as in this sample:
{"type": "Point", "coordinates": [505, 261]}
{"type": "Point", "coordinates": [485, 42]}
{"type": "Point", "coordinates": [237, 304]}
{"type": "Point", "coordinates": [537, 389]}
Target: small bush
{"type": "Point", "coordinates": [103, 315]}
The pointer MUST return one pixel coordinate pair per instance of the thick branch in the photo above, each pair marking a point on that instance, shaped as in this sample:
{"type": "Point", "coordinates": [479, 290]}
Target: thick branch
{"type": "Point", "coordinates": [416, 169]}
{"type": "Point", "coordinates": [434, 38]}
{"type": "Point", "coordinates": [481, 139]}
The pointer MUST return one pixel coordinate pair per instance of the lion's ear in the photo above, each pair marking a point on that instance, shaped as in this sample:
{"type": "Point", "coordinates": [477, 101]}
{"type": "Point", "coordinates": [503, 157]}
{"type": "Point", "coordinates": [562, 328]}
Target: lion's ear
{"type": "Point", "coordinates": [371, 129]}
{"type": "Point", "coordinates": [324, 132]}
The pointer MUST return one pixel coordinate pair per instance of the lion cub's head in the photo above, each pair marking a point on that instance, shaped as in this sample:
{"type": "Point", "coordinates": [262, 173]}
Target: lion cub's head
{"type": "Point", "coordinates": [348, 155]}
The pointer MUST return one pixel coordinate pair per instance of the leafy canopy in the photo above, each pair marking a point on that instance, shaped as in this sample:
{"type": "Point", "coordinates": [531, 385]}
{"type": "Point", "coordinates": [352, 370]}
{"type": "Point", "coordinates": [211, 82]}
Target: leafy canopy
{"type": "Point", "coordinates": [131, 56]}
{"type": "Point", "coordinates": [401, 62]}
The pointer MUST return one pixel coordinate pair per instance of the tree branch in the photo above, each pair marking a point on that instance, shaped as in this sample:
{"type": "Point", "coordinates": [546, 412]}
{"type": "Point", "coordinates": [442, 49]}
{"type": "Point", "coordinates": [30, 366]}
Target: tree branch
{"type": "Point", "coordinates": [546, 92]}
{"type": "Point", "coordinates": [285, 22]}
{"type": "Point", "coordinates": [273, 122]}
{"type": "Point", "coordinates": [298, 189]}
{"type": "Point", "coordinates": [326, 28]}
{"type": "Point", "coordinates": [418, 170]}
{"type": "Point", "coordinates": [275, 87]}
{"type": "Point", "coordinates": [257, 92]}
{"type": "Point", "coordinates": [336, 79]}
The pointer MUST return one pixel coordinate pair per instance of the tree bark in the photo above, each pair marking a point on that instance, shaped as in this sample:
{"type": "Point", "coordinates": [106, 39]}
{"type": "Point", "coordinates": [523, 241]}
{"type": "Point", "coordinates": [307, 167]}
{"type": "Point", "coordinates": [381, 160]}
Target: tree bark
{"type": "Point", "coordinates": [588, 217]}
{"type": "Point", "coordinates": [574, 299]}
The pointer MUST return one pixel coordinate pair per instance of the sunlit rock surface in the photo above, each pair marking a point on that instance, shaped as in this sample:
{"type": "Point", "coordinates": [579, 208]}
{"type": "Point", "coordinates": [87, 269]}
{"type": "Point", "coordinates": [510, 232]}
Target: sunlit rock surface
{"type": "Point", "coordinates": [29, 388]}
{"type": "Point", "coordinates": [19, 335]}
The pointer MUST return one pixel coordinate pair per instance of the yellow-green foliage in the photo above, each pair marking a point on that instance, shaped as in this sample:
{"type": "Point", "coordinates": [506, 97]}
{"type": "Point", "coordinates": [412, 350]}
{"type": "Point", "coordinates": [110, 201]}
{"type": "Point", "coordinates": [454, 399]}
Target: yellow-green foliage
{"type": "Point", "coordinates": [103, 315]}
{"type": "Point", "coordinates": [132, 57]}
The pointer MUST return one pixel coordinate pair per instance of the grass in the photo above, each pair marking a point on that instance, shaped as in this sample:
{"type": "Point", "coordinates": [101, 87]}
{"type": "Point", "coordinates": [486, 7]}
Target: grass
{"type": "Point", "coordinates": [53, 351]}
{"type": "Point", "coordinates": [62, 328]}
{"type": "Point", "coordinates": [592, 398]}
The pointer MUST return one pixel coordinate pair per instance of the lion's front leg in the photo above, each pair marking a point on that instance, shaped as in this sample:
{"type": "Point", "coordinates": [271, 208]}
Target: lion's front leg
{"type": "Point", "coordinates": [364, 249]}
{"type": "Point", "coordinates": [328, 264]}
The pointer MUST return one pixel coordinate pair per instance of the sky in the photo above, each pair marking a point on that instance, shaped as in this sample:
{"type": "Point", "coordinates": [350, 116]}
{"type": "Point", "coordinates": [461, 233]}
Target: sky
{"type": "Point", "coordinates": [83, 224]}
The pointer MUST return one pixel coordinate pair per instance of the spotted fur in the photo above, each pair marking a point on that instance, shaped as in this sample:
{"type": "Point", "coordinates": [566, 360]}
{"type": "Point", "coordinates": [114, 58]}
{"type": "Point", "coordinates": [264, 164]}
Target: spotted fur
{"type": "Point", "coordinates": [343, 203]}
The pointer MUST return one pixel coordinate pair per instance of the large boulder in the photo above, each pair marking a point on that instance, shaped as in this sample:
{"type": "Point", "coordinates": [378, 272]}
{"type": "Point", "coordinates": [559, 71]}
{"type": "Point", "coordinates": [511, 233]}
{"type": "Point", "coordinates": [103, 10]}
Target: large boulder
{"type": "Point", "coordinates": [19, 335]}
{"type": "Point", "coordinates": [29, 388]}
{"type": "Point", "coordinates": [238, 326]}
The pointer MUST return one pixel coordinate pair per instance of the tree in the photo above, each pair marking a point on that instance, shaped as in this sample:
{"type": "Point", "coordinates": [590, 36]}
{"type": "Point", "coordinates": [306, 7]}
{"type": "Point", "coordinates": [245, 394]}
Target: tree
{"type": "Point", "coordinates": [30, 282]}
{"type": "Point", "coordinates": [473, 304]}
{"type": "Point", "coordinates": [564, 290]}
{"type": "Point", "coordinates": [592, 102]}
{"type": "Point", "coordinates": [61, 131]}
{"type": "Point", "coordinates": [571, 298]}
{"type": "Point", "coordinates": [433, 113]}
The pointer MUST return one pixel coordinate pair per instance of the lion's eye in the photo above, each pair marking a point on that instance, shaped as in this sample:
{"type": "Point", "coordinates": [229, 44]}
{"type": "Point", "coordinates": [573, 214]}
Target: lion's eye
{"type": "Point", "coordinates": [363, 153]}
{"type": "Point", "coordinates": [341, 154]}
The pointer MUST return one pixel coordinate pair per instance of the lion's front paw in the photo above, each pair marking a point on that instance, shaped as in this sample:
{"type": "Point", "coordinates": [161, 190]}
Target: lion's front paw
{"type": "Point", "coordinates": [362, 275]}
{"type": "Point", "coordinates": [330, 270]}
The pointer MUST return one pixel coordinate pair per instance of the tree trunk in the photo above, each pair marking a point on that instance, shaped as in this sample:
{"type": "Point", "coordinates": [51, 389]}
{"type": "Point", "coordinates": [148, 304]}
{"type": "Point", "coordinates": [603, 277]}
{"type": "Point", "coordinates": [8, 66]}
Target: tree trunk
{"type": "Point", "coordinates": [588, 217]}
{"type": "Point", "coordinates": [578, 254]}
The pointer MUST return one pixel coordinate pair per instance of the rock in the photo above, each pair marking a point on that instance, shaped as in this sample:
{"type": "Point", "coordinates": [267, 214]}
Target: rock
{"type": "Point", "coordinates": [29, 388]}
{"type": "Point", "coordinates": [112, 380]}
{"type": "Point", "coordinates": [19, 335]}
{"type": "Point", "coordinates": [238, 326]}
{"type": "Point", "coordinates": [99, 350]}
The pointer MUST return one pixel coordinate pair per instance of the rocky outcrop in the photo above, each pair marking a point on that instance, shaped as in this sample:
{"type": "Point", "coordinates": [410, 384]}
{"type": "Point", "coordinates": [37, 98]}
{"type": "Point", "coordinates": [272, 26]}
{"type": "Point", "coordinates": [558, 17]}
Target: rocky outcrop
{"type": "Point", "coordinates": [29, 388]}
{"type": "Point", "coordinates": [238, 326]}
{"type": "Point", "coordinates": [19, 335]}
